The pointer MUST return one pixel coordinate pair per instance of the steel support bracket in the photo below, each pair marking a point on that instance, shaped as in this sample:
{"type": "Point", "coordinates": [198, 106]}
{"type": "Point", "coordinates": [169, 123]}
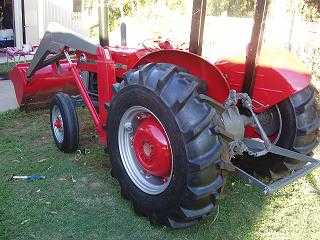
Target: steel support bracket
{"type": "Point", "coordinates": [257, 146]}
{"type": "Point", "coordinates": [53, 44]}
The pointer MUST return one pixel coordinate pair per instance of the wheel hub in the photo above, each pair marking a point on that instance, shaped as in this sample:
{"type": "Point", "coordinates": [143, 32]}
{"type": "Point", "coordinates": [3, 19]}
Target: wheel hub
{"type": "Point", "coordinates": [152, 147]}
{"type": "Point", "coordinates": [58, 123]}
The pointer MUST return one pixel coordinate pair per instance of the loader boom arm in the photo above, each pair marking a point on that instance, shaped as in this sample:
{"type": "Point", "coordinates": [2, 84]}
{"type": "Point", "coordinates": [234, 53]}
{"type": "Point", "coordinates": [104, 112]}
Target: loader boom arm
{"type": "Point", "coordinates": [51, 47]}
{"type": "Point", "coordinates": [81, 55]}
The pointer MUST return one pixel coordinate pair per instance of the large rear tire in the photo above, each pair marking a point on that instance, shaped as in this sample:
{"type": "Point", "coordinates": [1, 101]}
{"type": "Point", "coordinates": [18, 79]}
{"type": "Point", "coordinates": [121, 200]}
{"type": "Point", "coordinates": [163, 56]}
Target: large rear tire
{"type": "Point", "coordinates": [168, 98]}
{"type": "Point", "coordinates": [300, 121]}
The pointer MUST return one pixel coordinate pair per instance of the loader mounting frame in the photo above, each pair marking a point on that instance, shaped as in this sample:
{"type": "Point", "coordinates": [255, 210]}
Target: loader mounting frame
{"type": "Point", "coordinates": [81, 55]}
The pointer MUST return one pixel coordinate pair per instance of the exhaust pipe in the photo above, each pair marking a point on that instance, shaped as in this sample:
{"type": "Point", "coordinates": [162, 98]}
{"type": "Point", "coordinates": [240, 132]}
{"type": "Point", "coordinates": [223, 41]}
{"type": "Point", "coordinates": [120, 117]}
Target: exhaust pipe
{"type": "Point", "coordinates": [123, 29]}
{"type": "Point", "coordinates": [103, 24]}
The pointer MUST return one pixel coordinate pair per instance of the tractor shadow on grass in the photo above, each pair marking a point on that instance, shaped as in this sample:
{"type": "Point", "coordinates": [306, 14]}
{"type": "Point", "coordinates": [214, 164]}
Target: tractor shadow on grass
{"type": "Point", "coordinates": [87, 204]}
{"type": "Point", "coordinates": [239, 209]}
{"type": "Point", "coordinates": [240, 206]}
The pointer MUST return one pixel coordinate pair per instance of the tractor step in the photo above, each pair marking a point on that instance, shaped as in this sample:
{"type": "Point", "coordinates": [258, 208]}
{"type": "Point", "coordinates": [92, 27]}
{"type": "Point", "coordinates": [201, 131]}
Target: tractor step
{"type": "Point", "coordinates": [257, 146]}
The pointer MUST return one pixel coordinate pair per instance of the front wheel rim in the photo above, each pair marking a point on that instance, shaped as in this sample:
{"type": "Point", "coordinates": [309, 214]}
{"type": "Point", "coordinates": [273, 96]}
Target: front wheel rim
{"type": "Point", "coordinates": [154, 178]}
{"type": "Point", "coordinates": [57, 124]}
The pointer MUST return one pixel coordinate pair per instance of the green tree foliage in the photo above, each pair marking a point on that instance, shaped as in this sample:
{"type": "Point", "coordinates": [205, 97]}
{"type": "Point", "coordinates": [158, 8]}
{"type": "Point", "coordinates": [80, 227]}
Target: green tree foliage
{"type": "Point", "coordinates": [314, 4]}
{"type": "Point", "coordinates": [114, 16]}
{"type": "Point", "coordinates": [311, 10]}
{"type": "Point", "coordinates": [177, 5]}
{"type": "Point", "coordinates": [128, 8]}
{"type": "Point", "coordinates": [233, 8]}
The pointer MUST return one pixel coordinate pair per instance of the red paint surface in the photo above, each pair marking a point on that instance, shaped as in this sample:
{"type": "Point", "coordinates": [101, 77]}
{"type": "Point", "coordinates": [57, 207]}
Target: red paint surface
{"type": "Point", "coordinates": [125, 58]}
{"type": "Point", "coordinates": [52, 79]}
{"type": "Point", "coordinates": [104, 67]}
{"type": "Point", "coordinates": [152, 147]}
{"type": "Point", "coordinates": [58, 123]}
{"type": "Point", "coordinates": [279, 76]}
{"type": "Point", "coordinates": [218, 87]}
{"type": "Point", "coordinates": [46, 82]}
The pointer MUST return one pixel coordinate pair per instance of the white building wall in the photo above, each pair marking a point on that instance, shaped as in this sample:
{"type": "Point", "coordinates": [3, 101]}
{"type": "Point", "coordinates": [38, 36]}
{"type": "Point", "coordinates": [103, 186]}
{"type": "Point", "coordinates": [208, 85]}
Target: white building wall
{"type": "Point", "coordinates": [40, 13]}
{"type": "Point", "coordinates": [18, 27]}
{"type": "Point", "coordinates": [61, 11]}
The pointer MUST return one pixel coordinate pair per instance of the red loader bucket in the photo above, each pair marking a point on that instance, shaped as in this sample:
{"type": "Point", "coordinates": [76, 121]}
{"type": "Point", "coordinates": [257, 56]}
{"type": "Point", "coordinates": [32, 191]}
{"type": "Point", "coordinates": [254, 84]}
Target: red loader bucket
{"type": "Point", "coordinates": [39, 89]}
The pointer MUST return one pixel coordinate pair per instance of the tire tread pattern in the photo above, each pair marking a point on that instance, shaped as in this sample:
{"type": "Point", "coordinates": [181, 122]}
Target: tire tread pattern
{"type": "Point", "coordinates": [179, 91]}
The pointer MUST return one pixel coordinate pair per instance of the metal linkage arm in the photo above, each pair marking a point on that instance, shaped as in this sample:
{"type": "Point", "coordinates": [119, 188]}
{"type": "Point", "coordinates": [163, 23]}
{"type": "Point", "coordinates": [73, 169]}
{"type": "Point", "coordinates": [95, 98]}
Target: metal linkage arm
{"type": "Point", "coordinates": [256, 146]}
{"type": "Point", "coordinates": [55, 40]}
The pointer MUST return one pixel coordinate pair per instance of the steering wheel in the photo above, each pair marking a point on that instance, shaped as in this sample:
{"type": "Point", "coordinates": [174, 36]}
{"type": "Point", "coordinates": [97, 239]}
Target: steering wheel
{"type": "Point", "coordinates": [184, 46]}
{"type": "Point", "coordinates": [151, 44]}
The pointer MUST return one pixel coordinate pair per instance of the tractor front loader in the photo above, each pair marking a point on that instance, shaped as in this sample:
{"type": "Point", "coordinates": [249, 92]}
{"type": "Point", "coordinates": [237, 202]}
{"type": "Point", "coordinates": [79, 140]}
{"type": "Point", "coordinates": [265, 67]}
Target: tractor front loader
{"type": "Point", "coordinates": [172, 122]}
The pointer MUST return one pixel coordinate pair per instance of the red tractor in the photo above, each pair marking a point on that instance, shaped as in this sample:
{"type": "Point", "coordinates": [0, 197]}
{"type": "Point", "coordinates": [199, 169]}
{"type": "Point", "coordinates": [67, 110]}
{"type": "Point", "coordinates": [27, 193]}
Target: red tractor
{"type": "Point", "coordinates": [172, 121]}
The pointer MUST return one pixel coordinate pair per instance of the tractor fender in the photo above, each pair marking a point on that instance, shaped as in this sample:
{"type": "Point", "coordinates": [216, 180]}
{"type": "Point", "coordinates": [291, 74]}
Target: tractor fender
{"type": "Point", "coordinates": [279, 75]}
{"type": "Point", "coordinates": [218, 87]}
{"type": "Point", "coordinates": [274, 85]}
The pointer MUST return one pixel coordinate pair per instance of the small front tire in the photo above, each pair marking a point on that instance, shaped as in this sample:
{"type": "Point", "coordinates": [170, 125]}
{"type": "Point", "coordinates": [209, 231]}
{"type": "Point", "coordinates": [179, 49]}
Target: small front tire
{"type": "Point", "coordinates": [64, 123]}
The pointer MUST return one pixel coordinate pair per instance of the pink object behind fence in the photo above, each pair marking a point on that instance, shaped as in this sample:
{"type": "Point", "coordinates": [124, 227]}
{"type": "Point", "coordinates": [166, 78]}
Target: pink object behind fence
{"type": "Point", "coordinates": [13, 52]}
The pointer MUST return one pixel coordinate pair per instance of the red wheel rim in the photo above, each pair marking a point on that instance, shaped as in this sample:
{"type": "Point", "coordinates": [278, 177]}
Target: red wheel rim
{"type": "Point", "coordinates": [145, 150]}
{"type": "Point", "coordinates": [58, 123]}
{"type": "Point", "coordinates": [152, 147]}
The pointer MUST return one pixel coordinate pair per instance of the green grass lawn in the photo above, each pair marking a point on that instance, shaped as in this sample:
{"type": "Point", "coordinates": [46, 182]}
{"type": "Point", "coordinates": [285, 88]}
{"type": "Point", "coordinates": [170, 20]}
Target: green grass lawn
{"type": "Point", "coordinates": [5, 68]}
{"type": "Point", "coordinates": [80, 200]}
